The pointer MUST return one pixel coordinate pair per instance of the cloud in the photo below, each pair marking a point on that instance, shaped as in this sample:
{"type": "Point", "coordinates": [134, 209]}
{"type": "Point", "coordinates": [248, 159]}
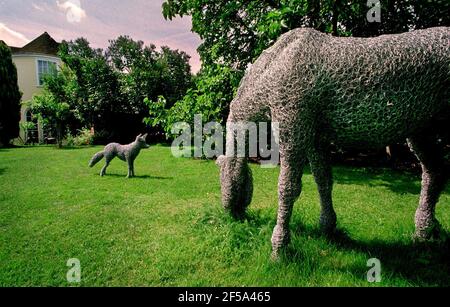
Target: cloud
{"type": "Point", "coordinates": [11, 37]}
{"type": "Point", "coordinates": [37, 7]}
{"type": "Point", "coordinates": [73, 10]}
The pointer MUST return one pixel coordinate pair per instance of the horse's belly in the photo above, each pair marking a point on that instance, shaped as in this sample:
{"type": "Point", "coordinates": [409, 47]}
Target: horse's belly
{"type": "Point", "coordinates": [377, 124]}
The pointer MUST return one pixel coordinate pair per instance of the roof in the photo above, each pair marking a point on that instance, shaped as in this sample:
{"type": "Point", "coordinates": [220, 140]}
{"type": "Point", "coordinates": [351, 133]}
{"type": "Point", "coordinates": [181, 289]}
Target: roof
{"type": "Point", "coordinates": [44, 44]}
{"type": "Point", "coordinates": [14, 49]}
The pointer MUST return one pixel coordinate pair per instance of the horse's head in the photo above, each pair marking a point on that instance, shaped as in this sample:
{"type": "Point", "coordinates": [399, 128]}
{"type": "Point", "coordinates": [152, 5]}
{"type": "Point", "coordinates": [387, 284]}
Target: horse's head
{"type": "Point", "coordinates": [237, 184]}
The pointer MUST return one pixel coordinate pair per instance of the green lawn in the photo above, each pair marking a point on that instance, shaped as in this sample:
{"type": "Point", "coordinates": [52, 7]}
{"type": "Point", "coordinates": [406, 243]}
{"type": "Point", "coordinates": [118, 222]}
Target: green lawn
{"type": "Point", "coordinates": [166, 227]}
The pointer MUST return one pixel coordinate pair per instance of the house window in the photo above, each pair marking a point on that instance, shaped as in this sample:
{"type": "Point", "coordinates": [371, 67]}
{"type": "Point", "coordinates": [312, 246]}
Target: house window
{"type": "Point", "coordinates": [44, 68]}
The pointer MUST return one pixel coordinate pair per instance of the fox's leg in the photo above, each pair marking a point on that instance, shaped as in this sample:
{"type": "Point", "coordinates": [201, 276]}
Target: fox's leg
{"type": "Point", "coordinates": [108, 159]}
{"type": "Point", "coordinates": [130, 168]}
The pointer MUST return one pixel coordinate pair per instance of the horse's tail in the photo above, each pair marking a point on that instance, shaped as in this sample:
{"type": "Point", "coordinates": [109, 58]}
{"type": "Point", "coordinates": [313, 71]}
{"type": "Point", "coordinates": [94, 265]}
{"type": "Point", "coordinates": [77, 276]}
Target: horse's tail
{"type": "Point", "coordinates": [96, 158]}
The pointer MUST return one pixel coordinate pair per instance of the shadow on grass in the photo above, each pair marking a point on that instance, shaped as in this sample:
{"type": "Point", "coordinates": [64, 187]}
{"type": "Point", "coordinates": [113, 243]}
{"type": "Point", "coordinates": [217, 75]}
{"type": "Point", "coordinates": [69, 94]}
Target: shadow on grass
{"type": "Point", "coordinates": [139, 177]}
{"type": "Point", "coordinates": [66, 148]}
{"type": "Point", "coordinates": [418, 264]}
{"type": "Point", "coordinates": [401, 183]}
{"type": "Point", "coordinates": [2, 171]}
{"type": "Point", "coordinates": [425, 264]}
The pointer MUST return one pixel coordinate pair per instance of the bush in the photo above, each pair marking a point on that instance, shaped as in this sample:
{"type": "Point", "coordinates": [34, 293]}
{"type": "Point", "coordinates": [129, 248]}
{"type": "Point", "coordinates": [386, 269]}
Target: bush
{"type": "Point", "coordinates": [101, 137]}
{"type": "Point", "coordinates": [85, 137]}
{"type": "Point", "coordinates": [69, 141]}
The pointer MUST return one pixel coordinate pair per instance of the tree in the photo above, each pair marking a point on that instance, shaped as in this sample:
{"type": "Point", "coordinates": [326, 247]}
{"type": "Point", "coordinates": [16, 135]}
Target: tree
{"type": "Point", "coordinates": [97, 93]}
{"type": "Point", "coordinates": [112, 84]}
{"type": "Point", "coordinates": [147, 73]}
{"type": "Point", "coordinates": [10, 97]}
{"type": "Point", "coordinates": [139, 75]}
{"type": "Point", "coordinates": [55, 105]}
{"type": "Point", "coordinates": [176, 77]}
{"type": "Point", "coordinates": [210, 97]}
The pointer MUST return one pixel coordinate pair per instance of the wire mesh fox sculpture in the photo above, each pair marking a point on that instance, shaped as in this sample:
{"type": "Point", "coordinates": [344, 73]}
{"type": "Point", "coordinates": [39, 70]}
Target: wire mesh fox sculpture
{"type": "Point", "coordinates": [127, 153]}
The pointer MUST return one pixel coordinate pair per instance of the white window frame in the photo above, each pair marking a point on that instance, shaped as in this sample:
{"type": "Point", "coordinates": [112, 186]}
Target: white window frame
{"type": "Point", "coordinates": [42, 59]}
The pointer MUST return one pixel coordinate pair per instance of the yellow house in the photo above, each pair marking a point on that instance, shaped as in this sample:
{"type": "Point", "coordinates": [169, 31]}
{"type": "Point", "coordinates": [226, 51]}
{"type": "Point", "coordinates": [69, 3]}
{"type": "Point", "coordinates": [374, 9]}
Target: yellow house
{"type": "Point", "coordinates": [33, 62]}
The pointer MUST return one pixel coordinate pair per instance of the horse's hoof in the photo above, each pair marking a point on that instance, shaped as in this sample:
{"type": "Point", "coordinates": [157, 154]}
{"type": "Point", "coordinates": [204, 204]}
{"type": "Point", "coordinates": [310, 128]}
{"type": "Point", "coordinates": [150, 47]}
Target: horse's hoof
{"type": "Point", "coordinates": [275, 256]}
{"type": "Point", "coordinates": [432, 233]}
{"type": "Point", "coordinates": [327, 224]}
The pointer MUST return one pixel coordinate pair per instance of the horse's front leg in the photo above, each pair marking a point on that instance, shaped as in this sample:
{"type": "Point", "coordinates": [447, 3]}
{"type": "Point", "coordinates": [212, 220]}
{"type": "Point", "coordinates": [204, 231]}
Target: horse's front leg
{"type": "Point", "coordinates": [321, 169]}
{"type": "Point", "coordinates": [289, 189]}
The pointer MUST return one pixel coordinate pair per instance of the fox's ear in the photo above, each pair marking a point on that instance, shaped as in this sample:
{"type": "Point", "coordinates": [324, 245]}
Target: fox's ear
{"type": "Point", "coordinates": [220, 160]}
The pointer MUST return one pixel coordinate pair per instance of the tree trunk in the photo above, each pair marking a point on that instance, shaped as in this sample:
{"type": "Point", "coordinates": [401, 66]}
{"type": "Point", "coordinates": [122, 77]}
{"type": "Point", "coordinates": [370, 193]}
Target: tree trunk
{"type": "Point", "coordinates": [314, 13]}
{"type": "Point", "coordinates": [59, 136]}
{"type": "Point", "coordinates": [335, 17]}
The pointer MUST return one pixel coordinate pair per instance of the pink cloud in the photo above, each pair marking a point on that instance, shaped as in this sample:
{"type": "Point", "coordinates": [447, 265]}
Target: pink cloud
{"type": "Point", "coordinates": [11, 37]}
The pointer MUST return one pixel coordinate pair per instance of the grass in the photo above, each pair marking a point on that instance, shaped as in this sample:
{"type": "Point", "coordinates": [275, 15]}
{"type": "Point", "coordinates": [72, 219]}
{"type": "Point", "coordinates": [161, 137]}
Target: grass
{"type": "Point", "coordinates": [166, 227]}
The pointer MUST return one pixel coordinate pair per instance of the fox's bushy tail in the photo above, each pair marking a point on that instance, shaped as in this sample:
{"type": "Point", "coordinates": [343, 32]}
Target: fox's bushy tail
{"type": "Point", "coordinates": [96, 158]}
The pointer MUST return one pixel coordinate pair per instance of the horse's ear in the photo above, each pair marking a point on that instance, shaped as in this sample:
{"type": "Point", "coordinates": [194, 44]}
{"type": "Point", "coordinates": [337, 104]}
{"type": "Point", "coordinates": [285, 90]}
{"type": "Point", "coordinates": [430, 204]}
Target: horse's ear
{"type": "Point", "coordinates": [220, 160]}
{"type": "Point", "coordinates": [139, 135]}
{"type": "Point", "coordinates": [145, 136]}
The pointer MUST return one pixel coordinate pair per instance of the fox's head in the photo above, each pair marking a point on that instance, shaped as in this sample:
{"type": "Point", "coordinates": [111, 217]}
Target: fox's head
{"type": "Point", "coordinates": [140, 140]}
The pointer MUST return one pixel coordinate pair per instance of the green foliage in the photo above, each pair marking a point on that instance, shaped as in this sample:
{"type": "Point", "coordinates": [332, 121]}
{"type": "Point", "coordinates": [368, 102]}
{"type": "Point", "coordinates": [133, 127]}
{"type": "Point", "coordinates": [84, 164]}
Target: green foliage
{"type": "Point", "coordinates": [49, 108]}
{"type": "Point", "coordinates": [26, 127]}
{"type": "Point", "coordinates": [111, 85]}
{"type": "Point", "coordinates": [55, 106]}
{"type": "Point", "coordinates": [9, 97]}
{"type": "Point", "coordinates": [97, 91]}
{"type": "Point", "coordinates": [213, 90]}
{"type": "Point", "coordinates": [159, 115]}
{"type": "Point", "coordinates": [83, 138]}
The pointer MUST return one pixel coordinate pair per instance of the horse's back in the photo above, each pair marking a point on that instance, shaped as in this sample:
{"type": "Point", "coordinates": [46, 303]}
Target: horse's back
{"type": "Point", "coordinates": [366, 91]}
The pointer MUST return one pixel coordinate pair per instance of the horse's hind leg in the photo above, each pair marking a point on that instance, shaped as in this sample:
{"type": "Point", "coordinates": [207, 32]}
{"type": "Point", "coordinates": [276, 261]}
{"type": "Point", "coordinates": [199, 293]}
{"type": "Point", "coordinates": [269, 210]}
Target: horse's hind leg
{"type": "Point", "coordinates": [433, 182]}
{"type": "Point", "coordinates": [322, 172]}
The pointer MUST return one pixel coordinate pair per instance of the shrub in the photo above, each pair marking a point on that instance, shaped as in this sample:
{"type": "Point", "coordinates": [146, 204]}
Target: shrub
{"type": "Point", "coordinates": [9, 97]}
{"type": "Point", "coordinates": [84, 137]}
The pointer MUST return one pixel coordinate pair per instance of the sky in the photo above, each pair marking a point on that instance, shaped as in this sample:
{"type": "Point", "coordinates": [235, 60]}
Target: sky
{"type": "Point", "coordinates": [97, 20]}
